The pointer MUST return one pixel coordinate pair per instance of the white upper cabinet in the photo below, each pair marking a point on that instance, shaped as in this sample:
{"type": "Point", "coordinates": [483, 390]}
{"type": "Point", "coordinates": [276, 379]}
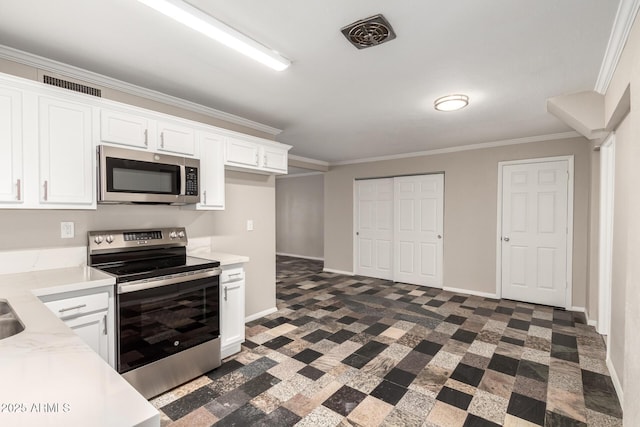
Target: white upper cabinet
{"type": "Point", "coordinates": [144, 129]}
{"type": "Point", "coordinates": [275, 159]}
{"type": "Point", "coordinates": [255, 154]}
{"type": "Point", "coordinates": [176, 138]}
{"type": "Point", "coordinates": [11, 179]}
{"type": "Point", "coordinates": [67, 174]}
{"type": "Point", "coordinates": [124, 128]}
{"type": "Point", "coordinates": [242, 153]}
{"type": "Point", "coordinates": [211, 171]}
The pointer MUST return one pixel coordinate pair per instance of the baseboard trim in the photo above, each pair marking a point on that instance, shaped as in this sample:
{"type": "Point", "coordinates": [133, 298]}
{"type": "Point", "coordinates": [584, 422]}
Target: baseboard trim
{"type": "Point", "coordinates": [593, 323]}
{"type": "Point", "coordinates": [615, 380]}
{"type": "Point", "coordinates": [470, 292]}
{"type": "Point", "coordinates": [331, 270]}
{"type": "Point", "coordinates": [300, 256]}
{"type": "Point", "coordinates": [579, 309]}
{"type": "Point", "coordinates": [260, 314]}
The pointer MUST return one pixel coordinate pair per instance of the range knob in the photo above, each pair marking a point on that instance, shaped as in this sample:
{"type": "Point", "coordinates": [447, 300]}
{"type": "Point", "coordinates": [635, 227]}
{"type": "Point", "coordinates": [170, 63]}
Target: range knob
{"type": "Point", "coordinates": [181, 234]}
{"type": "Point", "coordinates": [110, 238]}
{"type": "Point", "coordinates": [98, 239]}
{"type": "Point", "coordinates": [172, 235]}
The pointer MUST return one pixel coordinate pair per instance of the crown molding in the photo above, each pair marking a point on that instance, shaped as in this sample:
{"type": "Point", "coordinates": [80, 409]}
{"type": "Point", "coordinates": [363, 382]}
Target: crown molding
{"type": "Point", "coordinates": [52, 66]}
{"type": "Point", "coordinates": [525, 140]}
{"type": "Point", "coordinates": [625, 17]}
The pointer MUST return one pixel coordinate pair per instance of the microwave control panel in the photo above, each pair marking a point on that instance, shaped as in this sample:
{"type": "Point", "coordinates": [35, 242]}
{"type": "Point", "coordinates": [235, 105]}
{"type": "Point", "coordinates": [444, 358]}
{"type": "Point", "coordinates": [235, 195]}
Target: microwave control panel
{"type": "Point", "coordinates": [191, 184]}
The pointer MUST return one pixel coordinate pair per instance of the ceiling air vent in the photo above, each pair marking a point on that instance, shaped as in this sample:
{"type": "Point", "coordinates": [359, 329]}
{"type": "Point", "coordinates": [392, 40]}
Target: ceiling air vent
{"type": "Point", "coordinates": [76, 87]}
{"type": "Point", "coordinates": [369, 32]}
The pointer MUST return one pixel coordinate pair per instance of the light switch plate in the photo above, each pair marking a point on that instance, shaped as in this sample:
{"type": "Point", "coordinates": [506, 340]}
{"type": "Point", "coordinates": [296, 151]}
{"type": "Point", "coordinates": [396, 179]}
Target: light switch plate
{"type": "Point", "coordinates": [67, 230]}
{"type": "Point", "coordinates": [249, 225]}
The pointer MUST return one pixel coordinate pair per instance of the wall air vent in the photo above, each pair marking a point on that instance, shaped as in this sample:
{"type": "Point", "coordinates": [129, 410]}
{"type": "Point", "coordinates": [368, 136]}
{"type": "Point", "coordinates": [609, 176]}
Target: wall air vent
{"type": "Point", "coordinates": [76, 87]}
{"type": "Point", "coordinates": [369, 32]}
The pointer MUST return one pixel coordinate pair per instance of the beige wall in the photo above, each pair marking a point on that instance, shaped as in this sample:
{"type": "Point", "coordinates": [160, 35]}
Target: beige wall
{"type": "Point", "coordinates": [625, 347]}
{"type": "Point", "coordinates": [300, 215]}
{"type": "Point", "coordinates": [470, 209]}
{"type": "Point", "coordinates": [623, 166]}
{"type": "Point", "coordinates": [248, 196]}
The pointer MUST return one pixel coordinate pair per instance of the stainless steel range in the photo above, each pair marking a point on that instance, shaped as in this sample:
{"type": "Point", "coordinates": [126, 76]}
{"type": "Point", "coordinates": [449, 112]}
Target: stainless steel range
{"type": "Point", "coordinates": [167, 306]}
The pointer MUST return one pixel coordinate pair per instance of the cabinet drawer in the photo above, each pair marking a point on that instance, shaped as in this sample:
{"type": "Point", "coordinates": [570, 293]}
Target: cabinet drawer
{"type": "Point", "coordinates": [232, 275]}
{"type": "Point", "coordinates": [78, 306]}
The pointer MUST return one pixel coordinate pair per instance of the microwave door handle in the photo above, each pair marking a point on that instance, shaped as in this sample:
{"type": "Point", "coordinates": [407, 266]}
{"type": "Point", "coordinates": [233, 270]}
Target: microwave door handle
{"type": "Point", "coordinates": [183, 180]}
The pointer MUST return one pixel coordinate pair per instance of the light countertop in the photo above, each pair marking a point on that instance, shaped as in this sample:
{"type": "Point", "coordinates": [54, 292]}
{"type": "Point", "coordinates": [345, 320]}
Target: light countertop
{"type": "Point", "coordinates": [224, 258]}
{"type": "Point", "coordinates": [50, 377]}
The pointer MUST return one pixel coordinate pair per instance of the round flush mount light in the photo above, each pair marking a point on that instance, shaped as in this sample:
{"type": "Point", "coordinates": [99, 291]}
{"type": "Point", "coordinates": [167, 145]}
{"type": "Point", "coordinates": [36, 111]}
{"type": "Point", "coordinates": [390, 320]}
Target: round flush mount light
{"type": "Point", "coordinates": [451, 102]}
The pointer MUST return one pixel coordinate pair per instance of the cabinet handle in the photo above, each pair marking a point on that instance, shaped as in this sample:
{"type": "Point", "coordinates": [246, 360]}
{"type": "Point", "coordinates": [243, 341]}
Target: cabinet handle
{"type": "Point", "coordinates": [257, 159]}
{"type": "Point", "coordinates": [62, 310]}
{"type": "Point", "coordinates": [104, 319]}
{"type": "Point", "coordinates": [235, 274]}
{"type": "Point", "coordinates": [205, 197]}
{"type": "Point", "coordinates": [46, 190]}
{"type": "Point", "coordinates": [161, 139]}
{"type": "Point", "coordinates": [146, 137]}
{"type": "Point", "coordinates": [19, 185]}
{"type": "Point", "coordinates": [265, 160]}
{"type": "Point", "coordinates": [225, 293]}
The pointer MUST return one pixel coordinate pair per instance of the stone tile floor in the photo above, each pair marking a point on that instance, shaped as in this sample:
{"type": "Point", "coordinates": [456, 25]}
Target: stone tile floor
{"type": "Point", "coordinates": [356, 351]}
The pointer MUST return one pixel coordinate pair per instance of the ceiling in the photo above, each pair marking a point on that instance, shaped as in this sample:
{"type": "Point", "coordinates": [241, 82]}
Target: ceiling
{"type": "Point", "coordinates": [335, 102]}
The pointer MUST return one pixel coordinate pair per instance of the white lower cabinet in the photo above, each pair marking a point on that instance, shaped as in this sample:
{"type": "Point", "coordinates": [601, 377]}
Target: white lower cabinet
{"type": "Point", "coordinates": [90, 316]}
{"type": "Point", "coordinates": [231, 309]}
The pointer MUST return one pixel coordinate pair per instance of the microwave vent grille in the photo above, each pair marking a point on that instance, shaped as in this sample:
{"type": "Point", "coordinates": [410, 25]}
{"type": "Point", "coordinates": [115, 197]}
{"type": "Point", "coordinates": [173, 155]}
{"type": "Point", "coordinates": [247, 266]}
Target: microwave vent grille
{"type": "Point", "coordinates": [76, 87]}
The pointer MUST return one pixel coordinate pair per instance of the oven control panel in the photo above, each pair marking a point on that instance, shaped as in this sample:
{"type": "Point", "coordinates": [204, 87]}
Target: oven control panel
{"type": "Point", "coordinates": [142, 235]}
{"type": "Point", "coordinates": [113, 240]}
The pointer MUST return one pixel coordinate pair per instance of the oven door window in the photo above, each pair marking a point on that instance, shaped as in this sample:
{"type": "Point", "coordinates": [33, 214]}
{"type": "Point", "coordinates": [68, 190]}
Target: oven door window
{"type": "Point", "coordinates": [133, 176]}
{"type": "Point", "coordinates": [158, 322]}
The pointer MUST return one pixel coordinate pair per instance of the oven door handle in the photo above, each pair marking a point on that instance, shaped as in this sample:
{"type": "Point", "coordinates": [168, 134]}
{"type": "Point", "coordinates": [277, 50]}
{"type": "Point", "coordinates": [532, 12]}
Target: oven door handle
{"type": "Point", "coordinates": [140, 285]}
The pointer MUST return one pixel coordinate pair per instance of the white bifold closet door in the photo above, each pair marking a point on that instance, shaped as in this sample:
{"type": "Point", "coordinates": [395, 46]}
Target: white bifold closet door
{"type": "Point", "coordinates": [399, 227]}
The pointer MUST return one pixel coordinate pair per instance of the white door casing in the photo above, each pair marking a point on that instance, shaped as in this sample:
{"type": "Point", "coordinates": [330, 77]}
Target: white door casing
{"type": "Point", "coordinates": [419, 223]}
{"type": "Point", "coordinates": [535, 218]}
{"type": "Point", "coordinates": [374, 228]}
{"type": "Point", "coordinates": [605, 255]}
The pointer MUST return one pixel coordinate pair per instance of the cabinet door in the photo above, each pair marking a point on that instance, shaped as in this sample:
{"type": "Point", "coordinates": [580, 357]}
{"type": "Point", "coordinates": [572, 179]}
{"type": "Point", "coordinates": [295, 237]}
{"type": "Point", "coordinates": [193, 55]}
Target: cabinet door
{"type": "Point", "coordinates": [242, 153]}
{"type": "Point", "coordinates": [211, 172]}
{"type": "Point", "coordinates": [274, 159]}
{"type": "Point", "coordinates": [231, 313]}
{"type": "Point", "coordinates": [11, 179]}
{"type": "Point", "coordinates": [176, 138]}
{"type": "Point", "coordinates": [67, 174]}
{"type": "Point", "coordinates": [123, 128]}
{"type": "Point", "coordinates": [92, 328]}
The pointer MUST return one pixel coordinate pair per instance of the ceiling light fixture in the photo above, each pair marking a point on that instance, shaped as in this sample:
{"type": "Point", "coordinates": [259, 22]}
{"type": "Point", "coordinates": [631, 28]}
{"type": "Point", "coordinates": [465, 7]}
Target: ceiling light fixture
{"type": "Point", "coordinates": [198, 20]}
{"type": "Point", "coordinates": [451, 102]}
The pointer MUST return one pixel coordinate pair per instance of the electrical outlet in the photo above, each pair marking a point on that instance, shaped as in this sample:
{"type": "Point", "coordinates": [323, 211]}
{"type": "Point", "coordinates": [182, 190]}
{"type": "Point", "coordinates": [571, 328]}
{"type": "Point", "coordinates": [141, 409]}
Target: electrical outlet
{"type": "Point", "coordinates": [67, 230]}
{"type": "Point", "coordinates": [249, 225]}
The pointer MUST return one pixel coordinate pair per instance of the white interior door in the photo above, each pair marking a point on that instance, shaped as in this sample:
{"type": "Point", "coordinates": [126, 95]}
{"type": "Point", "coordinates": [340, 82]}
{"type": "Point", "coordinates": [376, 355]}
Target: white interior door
{"type": "Point", "coordinates": [419, 207]}
{"type": "Point", "coordinates": [534, 232]}
{"type": "Point", "coordinates": [374, 228]}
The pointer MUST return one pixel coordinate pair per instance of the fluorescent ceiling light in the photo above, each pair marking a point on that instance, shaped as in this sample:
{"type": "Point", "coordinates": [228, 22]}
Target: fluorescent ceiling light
{"type": "Point", "coordinates": [451, 102]}
{"type": "Point", "coordinates": [198, 20]}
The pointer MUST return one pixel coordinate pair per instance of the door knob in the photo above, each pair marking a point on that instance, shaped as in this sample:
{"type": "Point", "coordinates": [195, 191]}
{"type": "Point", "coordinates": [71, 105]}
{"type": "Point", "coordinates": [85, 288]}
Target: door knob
{"type": "Point", "coordinates": [439, 236]}
{"type": "Point", "coordinates": [506, 239]}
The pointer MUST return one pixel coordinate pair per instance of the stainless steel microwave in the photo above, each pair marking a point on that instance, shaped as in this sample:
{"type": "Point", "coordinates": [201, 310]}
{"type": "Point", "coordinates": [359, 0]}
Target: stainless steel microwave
{"type": "Point", "coordinates": [132, 176]}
